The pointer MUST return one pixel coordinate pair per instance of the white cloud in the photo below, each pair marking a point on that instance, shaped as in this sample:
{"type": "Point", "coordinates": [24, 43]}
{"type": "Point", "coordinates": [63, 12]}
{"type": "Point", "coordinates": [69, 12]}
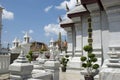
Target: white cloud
{"type": "Point", "coordinates": [70, 3]}
{"type": "Point", "coordinates": [48, 8]}
{"type": "Point", "coordinates": [23, 32]}
{"type": "Point", "coordinates": [53, 29]}
{"type": "Point", "coordinates": [7, 14]}
{"type": "Point", "coordinates": [30, 31]}
{"type": "Point", "coordinates": [5, 31]}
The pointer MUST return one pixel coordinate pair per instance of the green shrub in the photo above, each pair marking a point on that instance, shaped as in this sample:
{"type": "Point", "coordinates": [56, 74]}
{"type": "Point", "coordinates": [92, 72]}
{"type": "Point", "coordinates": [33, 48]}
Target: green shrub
{"type": "Point", "coordinates": [88, 48]}
{"type": "Point", "coordinates": [83, 58]}
{"type": "Point", "coordinates": [89, 60]}
{"type": "Point", "coordinates": [64, 60]}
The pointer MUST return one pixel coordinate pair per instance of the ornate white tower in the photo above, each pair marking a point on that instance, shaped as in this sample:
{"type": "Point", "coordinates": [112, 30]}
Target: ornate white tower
{"type": "Point", "coordinates": [1, 10]}
{"type": "Point", "coordinates": [16, 42]}
{"type": "Point", "coordinates": [26, 38]}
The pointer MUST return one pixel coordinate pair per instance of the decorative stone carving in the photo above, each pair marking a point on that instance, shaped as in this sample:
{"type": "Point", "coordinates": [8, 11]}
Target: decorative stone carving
{"type": "Point", "coordinates": [20, 69]}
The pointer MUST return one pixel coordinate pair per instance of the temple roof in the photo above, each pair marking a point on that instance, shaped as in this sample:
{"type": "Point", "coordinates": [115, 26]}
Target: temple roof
{"type": "Point", "coordinates": [36, 46]}
{"type": "Point", "coordinates": [88, 1]}
{"type": "Point", "coordinates": [66, 21]}
{"type": "Point", "coordinates": [77, 9]}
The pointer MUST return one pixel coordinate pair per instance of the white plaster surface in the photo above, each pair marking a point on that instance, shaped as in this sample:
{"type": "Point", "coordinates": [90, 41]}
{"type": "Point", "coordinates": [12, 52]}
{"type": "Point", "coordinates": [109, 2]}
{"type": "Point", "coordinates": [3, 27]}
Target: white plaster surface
{"type": "Point", "coordinates": [109, 74]}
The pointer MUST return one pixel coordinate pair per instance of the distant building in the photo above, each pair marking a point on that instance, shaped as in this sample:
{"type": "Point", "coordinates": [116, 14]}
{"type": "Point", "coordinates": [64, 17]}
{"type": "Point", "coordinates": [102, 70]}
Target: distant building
{"type": "Point", "coordinates": [26, 46]}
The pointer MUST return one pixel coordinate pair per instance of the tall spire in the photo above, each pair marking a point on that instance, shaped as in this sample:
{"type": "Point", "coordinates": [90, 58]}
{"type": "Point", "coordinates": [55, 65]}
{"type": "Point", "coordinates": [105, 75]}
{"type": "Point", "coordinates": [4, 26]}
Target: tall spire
{"type": "Point", "coordinates": [59, 36]}
{"type": "Point", "coordinates": [67, 8]}
{"type": "Point", "coordinates": [26, 37]}
{"type": "Point", "coordinates": [60, 19]}
{"type": "Point", "coordinates": [60, 42]}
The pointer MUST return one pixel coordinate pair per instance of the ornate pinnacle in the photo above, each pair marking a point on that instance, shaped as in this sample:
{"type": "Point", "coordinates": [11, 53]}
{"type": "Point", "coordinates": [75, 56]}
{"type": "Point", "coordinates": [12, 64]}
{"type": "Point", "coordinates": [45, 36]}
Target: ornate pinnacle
{"type": "Point", "coordinates": [67, 8]}
{"type": "Point", "coordinates": [60, 19]}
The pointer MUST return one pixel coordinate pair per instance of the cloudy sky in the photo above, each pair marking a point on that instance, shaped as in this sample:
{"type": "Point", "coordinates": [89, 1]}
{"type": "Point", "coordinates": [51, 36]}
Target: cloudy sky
{"type": "Point", "coordinates": [38, 17]}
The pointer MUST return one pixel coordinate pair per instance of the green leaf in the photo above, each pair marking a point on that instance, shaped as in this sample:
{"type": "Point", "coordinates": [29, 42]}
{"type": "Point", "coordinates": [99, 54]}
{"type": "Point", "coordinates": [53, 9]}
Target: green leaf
{"type": "Point", "coordinates": [84, 65]}
{"type": "Point", "coordinates": [88, 48]}
{"type": "Point", "coordinates": [90, 55]}
{"type": "Point", "coordinates": [94, 59]}
{"type": "Point", "coordinates": [83, 58]}
{"type": "Point", "coordinates": [95, 66]}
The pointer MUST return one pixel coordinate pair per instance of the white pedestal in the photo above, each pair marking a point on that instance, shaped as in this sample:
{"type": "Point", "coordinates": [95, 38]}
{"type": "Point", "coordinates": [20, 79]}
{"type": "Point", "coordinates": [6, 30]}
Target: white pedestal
{"type": "Point", "coordinates": [53, 67]}
{"type": "Point", "coordinates": [109, 74]}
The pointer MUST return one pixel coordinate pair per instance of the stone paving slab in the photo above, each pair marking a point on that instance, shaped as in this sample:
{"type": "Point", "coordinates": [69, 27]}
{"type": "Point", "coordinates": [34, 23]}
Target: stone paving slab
{"type": "Point", "coordinates": [4, 76]}
{"type": "Point", "coordinates": [68, 75]}
{"type": "Point", "coordinates": [71, 75]}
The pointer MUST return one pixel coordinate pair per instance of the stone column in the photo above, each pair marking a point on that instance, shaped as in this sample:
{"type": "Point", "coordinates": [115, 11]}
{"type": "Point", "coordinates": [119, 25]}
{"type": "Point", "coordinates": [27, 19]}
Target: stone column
{"type": "Point", "coordinates": [1, 10]}
{"type": "Point", "coordinates": [96, 27]}
{"type": "Point", "coordinates": [112, 9]}
{"type": "Point", "coordinates": [69, 40]}
{"type": "Point", "coordinates": [20, 69]}
{"type": "Point", "coordinates": [84, 30]}
{"type": "Point", "coordinates": [78, 48]}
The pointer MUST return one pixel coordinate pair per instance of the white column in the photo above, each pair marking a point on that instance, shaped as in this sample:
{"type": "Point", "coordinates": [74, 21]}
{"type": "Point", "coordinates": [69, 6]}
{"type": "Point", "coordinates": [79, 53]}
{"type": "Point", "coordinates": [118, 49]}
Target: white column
{"type": "Point", "coordinates": [78, 49]}
{"type": "Point", "coordinates": [84, 31]}
{"type": "Point", "coordinates": [73, 40]}
{"type": "Point", "coordinates": [69, 40]}
{"type": "Point", "coordinates": [112, 9]}
{"type": "Point", "coordinates": [97, 30]}
{"type": "Point", "coordinates": [96, 26]}
{"type": "Point", "coordinates": [0, 24]}
{"type": "Point", "coordinates": [105, 34]}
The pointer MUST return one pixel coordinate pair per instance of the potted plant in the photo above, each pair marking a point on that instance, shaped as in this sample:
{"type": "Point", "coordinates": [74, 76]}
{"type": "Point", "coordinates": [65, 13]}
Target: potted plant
{"type": "Point", "coordinates": [88, 62]}
{"type": "Point", "coordinates": [42, 51]}
{"type": "Point", "coordinates": [47, 55]}
{"type": "Point", "coordinates": [30, 56]}
{"type": "Point", "coordinates": [64, 62]}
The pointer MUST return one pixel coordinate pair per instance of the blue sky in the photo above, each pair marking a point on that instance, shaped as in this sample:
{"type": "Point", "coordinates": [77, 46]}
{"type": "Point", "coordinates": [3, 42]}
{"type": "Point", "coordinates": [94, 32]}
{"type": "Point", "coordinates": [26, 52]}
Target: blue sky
{"type": "Point", "coordinates": [38, 17]}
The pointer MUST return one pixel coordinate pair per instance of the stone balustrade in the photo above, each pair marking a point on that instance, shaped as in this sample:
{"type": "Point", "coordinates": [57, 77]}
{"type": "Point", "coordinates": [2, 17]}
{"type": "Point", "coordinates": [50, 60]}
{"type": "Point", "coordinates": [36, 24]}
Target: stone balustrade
{"type": "Point", "coordinates": [21, 69]}
{"type": "Point", "coordinates": [4, 63]}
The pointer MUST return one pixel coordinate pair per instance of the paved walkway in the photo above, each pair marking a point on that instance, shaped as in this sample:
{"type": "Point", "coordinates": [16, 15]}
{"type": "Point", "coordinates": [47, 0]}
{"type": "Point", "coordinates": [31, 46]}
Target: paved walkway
{"type": "Point", "coordinates": [69, 75]}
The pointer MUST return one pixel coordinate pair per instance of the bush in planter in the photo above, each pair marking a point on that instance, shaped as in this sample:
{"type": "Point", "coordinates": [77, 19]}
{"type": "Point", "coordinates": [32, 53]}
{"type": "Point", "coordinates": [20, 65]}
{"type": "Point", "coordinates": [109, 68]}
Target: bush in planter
{"type": "Point", "coordinates": [64, 62]}
{"type": "Point", "coordinates": [89, 62]}
{"type": "Point", "coordinates": [30, 56]}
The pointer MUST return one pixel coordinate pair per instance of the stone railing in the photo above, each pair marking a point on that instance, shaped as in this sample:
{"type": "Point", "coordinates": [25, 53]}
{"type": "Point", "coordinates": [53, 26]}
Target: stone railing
{"type": "Point", "coordinates": [4, 63]}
